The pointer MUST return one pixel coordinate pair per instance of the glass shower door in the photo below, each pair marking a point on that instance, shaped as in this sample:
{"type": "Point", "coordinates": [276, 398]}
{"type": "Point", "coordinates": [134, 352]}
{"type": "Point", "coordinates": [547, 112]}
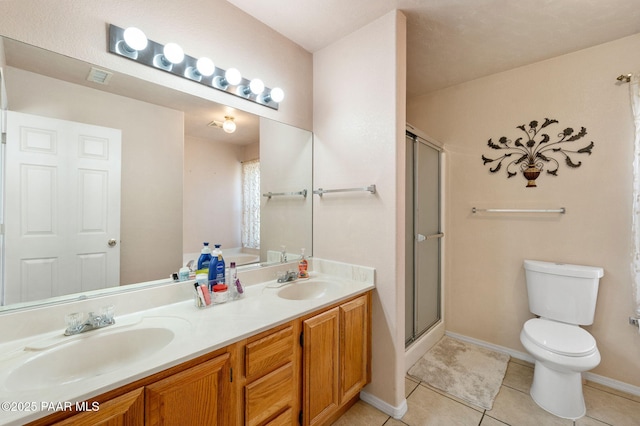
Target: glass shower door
{"type": "Point", "coordinates": [422, 300]}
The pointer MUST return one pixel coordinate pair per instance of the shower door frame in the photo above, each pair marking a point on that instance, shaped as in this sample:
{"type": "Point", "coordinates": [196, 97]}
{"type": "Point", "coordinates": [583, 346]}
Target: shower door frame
{"type": "Point", "coordinates": [416, 238]}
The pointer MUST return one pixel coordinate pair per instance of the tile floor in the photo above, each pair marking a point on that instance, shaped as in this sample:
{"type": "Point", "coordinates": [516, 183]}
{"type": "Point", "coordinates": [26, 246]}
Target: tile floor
{"type": "Point", "coordinates": [513, 406]}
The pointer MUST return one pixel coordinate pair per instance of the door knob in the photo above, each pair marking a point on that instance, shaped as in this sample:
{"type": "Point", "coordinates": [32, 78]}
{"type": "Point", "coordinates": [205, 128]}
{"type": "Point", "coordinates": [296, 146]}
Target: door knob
{"type": "Point", "coordinates": [112, 242]}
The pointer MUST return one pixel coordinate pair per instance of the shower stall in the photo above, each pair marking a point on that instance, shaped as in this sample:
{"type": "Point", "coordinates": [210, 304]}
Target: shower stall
{"type": "Point", "coordinates": [424, 239]}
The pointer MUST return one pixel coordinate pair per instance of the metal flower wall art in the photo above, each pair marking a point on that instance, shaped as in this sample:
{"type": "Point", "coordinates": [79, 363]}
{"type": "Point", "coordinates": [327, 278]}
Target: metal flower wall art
{"type": "Point", "coordinates": [536, 151]}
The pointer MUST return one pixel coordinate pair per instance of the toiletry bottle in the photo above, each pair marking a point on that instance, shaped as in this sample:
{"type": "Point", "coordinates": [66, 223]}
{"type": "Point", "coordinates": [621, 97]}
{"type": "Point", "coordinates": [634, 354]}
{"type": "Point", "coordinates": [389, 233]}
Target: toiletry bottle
{"type": "Point", "coordinates": [303, 265]}
{"type": "Point", "coordinates": [217, 266]}
{"type": "Point", "coordinates": [233, 275]}
{"type": "Point", "coordinates": [220, 270]}
{"type": "Point", "coordinates": [205, 258]}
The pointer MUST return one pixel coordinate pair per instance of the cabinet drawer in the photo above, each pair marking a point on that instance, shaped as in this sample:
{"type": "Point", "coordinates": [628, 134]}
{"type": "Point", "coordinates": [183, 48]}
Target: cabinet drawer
{"type": "Point", "coordinates": [269, 395]}
{"type": "Point", "coordinates": [268, 353]}
{"type": "Point", "coordinates": [283, 419]}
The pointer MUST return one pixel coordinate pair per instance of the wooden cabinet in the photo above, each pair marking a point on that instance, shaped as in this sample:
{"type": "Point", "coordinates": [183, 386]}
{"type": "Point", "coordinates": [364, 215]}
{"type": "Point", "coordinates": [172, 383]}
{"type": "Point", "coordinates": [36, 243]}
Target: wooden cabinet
{"type": "Point", "coordinates": [198, 392]}
{"type": "Point", "coordinates": [201, 395]}
{"type": "Point", "coordinates": [355, 347]}
{"type": "Point", "coordinates": [320, 367]}
{"type": "Point", "coordinates": [336, 352]}
{"type": "Point", "coordinates": [124, 410]}
{"type": "Point", "coordinates": [265, 380]}
{"type": "Point", "coordinates": [271, 377]}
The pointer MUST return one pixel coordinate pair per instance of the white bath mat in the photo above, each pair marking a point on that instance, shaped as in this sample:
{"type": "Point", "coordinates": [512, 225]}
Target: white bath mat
{"type": "Point", "coordinates": [464, 370]}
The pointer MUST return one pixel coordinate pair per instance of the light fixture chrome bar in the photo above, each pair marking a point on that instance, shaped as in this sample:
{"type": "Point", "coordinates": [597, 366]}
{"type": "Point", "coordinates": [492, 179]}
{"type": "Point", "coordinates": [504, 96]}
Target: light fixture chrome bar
{"type": "Point", "coordinates": [370, 188]}
{"type": "Point", "coordinates": [149, 56]}
{"type": "Point", "coordinates": [560, 210]}
{"type": "Point", "coordinates": [280, 194]}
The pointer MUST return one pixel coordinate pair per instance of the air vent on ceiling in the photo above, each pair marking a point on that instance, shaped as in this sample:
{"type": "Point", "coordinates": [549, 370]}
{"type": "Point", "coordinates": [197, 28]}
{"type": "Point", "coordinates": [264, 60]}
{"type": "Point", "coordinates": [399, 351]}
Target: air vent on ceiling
{"type": "Point", "coordinates": [99, 76]}
{"type": "Point", "coordinates": [216, 124]}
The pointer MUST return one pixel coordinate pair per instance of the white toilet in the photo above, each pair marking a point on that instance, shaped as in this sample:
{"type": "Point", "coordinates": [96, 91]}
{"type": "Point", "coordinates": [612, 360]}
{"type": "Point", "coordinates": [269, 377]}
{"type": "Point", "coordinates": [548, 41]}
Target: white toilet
{"type": "Point", "coordinates": [564, 297]}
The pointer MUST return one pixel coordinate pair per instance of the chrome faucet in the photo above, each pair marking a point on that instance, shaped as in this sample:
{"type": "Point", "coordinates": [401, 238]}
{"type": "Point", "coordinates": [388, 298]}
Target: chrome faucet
{"type": "Point", "coordinates": [94, 322]}
{"type": "Point", "coordinates": [288, 276]}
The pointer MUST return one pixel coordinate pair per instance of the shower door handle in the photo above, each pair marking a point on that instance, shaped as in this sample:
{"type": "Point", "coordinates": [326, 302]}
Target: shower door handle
{"type": "Point", "coordinates": [420, 238]}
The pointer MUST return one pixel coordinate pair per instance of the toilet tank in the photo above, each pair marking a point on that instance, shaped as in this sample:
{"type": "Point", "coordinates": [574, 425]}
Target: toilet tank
{"type": "Point", "coordinates": [562, 292]}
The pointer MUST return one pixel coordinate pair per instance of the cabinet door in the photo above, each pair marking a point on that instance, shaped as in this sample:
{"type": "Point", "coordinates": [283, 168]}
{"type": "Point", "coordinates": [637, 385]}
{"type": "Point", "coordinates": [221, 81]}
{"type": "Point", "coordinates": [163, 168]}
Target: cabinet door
{"type": "Point", "coordinates": [321, 373]}
{"type": "Point", "coordinates": [201, 395]}
{"type": "Point", "coordinates": [124, 410]}
{"type": "Point", "coordinates": [354, 347]}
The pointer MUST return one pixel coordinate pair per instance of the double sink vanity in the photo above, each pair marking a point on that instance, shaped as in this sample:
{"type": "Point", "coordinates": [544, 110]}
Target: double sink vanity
{"type": "Point", "coordinates": [299, 353]}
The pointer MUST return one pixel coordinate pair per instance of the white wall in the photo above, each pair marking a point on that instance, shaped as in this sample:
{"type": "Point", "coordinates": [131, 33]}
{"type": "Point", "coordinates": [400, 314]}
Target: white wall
{"type": "Point", "coordinates": [212, 201]}
{"type": "Point", "coordinates": [213, 28]}
{"type": "Point", "coordinates": [285, 156]}
{"type": "Point", "coordinates": [485, 291]}
{"type": "Point", "coordinates": [359, 101]}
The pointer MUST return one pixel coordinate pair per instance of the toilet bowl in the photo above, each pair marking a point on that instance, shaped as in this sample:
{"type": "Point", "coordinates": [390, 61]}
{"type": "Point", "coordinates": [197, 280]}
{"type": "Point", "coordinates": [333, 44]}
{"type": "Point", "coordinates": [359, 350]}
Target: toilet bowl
{"type": "Point", "coordinates": [562, 352]}
{"type": "Point", "coordinates": [564, 297]}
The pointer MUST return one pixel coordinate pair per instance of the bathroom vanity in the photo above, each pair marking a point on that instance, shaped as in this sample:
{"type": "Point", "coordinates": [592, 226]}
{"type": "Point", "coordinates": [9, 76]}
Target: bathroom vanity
{"type": "Point", "coordinates": [279, 356]}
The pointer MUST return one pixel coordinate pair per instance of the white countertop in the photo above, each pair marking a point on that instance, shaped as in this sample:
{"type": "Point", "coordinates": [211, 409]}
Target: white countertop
{"type": "Point", "coordinates": [200, 331]}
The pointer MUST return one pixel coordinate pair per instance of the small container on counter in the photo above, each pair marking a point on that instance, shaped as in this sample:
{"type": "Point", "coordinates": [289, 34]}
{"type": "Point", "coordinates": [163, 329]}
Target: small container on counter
{"type": "Point", "coordinates": [202, 295]}
{"type": "Point", "coordinates": [220, 293]}
{"type": "Point", "coordinates": [183, 274]}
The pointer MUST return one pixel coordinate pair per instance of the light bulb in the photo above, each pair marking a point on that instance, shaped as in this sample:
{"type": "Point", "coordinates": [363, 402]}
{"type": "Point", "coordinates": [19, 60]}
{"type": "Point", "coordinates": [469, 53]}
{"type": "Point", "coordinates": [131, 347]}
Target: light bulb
{"type": "Point", "coordinates": [135, 38]}
{"type": "Point", "coordinates": [205, 66]}
{"type": "Point", "coordinates": [173, 53]}
{"type": "Point", "coordinates": [229, 125]}
{"type": "Point", "coordinates": [233, 76]}
{"type": "Point", "coordinates": [257, 86]}
{"type": "Point", "coordinates": [277, 94]}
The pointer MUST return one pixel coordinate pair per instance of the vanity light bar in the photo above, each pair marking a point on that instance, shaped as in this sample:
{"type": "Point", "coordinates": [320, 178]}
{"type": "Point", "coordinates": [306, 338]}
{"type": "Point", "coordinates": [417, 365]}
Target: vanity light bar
{"type": "Point", "coordinates": [171, 58]}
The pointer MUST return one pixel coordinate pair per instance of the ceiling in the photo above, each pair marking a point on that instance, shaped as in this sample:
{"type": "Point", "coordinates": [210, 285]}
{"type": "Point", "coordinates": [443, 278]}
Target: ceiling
{"type": "Point", "coordinates": [453, 41]}
{"type": "Point", "coordinates": [448, 42]}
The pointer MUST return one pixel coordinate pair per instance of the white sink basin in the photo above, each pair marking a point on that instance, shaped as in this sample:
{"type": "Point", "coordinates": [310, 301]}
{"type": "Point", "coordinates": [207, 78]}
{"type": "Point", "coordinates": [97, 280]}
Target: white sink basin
{"type": "Point", "coordinates": [306, 290]}
{"type": "Point", "coordinates": [93, 353]}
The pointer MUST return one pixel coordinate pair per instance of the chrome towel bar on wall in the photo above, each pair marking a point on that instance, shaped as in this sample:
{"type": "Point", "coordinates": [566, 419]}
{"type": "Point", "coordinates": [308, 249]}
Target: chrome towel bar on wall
{"type": "Point", "coordinates": [280, 194]}
{"type": "Point", "coordinates": [561, 210]}
{"type": "Point", "coordinates": [320, 191]}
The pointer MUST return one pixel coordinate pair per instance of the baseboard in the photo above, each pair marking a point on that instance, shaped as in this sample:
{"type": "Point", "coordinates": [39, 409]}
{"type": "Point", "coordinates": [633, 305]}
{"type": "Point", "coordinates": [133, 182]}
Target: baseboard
{"type": "Point", "coordinates": [395, 412]}
{"type": "Point", "coordinates": [613, 384]}
{"type": "Point", "coordinates": [596, 378]}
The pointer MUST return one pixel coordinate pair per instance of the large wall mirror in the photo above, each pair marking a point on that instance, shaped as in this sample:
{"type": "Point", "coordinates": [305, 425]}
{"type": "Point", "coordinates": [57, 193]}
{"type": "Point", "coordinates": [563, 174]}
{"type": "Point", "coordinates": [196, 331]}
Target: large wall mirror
{"type": "Point", "coordinates": [179, 179]}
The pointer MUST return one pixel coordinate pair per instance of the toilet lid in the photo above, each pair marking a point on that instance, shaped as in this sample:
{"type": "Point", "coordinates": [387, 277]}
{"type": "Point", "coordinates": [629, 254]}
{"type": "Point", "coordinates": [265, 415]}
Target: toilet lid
{"type": "Point", "coordinates": [563, 339]}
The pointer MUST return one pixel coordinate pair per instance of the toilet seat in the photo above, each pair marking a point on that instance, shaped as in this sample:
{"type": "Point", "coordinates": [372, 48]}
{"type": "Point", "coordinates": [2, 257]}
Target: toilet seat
{"type": "Point", "coordinates": [560, 338]}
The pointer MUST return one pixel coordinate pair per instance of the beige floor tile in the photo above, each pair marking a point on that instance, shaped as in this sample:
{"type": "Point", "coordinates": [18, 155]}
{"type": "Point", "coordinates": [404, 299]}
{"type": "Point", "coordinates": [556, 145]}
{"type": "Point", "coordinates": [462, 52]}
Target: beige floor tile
{"type": "Point", "coordinates": [521, 362]}
{"type": "Point", "coordinates": [429, 408]}
{"type": "Point", "coordinates": [588, 421]}
{"type": "Point", "coordinates": [362, 414]}
{"type": "Point", "coordinates": [490, 421]}
{"type": "Point", "coordinates": [610, 408]}
{"type": "Point", "coordinates": [517, 408]}
{"type": "Point", "coordinates": [455, 398]}
{"type": "Point", "coordinates": [409, 386]}
{"type": "Point", "coordinates": [394, 422]}
{"type": "Point", "coordinates": [518, 376]}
